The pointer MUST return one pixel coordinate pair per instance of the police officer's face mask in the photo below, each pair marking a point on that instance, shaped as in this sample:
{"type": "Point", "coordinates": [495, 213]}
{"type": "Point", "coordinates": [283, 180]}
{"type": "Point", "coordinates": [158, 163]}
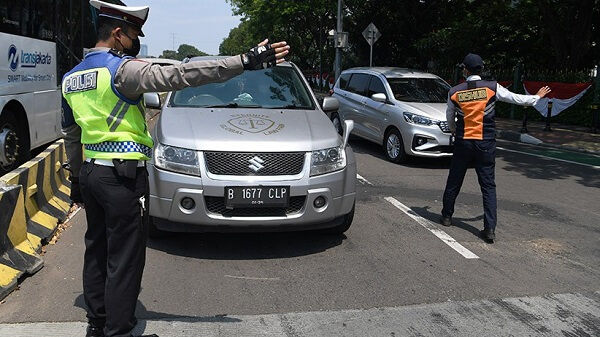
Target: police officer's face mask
{"type": "Point", "coordinates": [135, 46]}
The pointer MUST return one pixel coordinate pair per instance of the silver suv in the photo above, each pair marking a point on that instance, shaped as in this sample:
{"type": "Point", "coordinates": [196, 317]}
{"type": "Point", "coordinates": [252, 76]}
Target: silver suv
{"type": "Point", "coordinates": [253, 153]}
{"type": "Point", "coordinates": [402, 109]}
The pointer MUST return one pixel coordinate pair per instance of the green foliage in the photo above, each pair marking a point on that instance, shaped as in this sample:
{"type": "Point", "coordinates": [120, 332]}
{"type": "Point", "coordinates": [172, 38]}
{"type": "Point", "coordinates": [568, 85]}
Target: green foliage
{"type": "Point", "coordinates": [182, 52]}
{"type": "Point", "coordinates": [429, 33]}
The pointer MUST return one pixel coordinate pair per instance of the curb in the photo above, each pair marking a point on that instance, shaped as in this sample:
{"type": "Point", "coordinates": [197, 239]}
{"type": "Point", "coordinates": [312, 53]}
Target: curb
{"type": "Point", "coordinates": [515, 136]}
{"type": "Point", "coordinates": [34, 199]}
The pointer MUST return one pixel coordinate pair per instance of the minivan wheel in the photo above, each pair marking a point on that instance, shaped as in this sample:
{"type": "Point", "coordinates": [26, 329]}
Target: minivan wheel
{"type": "Point", "coordinates": [394, 147]}
{"type": "Point", "coordinates": [337, 123]}
{"type": "Point", "coordinates": [344, 226]}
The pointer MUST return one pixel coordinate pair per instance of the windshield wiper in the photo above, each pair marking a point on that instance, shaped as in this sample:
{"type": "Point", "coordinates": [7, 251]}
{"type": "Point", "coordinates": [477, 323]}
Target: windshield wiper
{"type": "Point", "coordinates": [290, 106]}
{"type": "Point", "coordinates": [228, 105]}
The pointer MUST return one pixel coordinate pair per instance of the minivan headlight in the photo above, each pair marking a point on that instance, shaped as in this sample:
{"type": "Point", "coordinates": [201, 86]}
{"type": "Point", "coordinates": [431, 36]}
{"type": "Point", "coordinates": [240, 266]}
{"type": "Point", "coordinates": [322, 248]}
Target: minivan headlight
{"type": "Point", "coordinates": [327, 160]}
{"type": "Point", "coordinates": [418, 119]}
{"type": "Point", "coordinates": [177, 159]}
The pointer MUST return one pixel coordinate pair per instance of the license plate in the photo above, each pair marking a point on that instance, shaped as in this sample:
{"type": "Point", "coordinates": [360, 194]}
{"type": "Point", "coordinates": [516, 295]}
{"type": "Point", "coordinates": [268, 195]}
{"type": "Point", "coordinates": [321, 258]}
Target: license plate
{"type": "Point", "coordinates": [257, 196]}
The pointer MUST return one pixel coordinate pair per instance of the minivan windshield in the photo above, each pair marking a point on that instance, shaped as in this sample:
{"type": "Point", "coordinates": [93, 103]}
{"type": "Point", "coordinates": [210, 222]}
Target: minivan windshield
{"type": "Point", "coordinates": [273, 88]}
{"type": "Point", "coordinates": [421, 90]}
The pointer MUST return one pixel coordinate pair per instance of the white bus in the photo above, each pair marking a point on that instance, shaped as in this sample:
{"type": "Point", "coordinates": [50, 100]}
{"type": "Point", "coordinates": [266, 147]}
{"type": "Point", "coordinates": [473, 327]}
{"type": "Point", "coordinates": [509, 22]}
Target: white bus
{"type": "Point", "coordinates": [40, 40]}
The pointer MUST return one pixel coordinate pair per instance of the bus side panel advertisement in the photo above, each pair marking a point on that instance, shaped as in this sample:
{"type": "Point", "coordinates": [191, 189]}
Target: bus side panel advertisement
{"type": "Point", "coordinates": [26, 65]}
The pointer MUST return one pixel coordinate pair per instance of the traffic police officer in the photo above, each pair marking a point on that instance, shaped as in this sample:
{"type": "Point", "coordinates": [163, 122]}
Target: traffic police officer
{"type": "Point", "coordinates": [103, 110]}
{"type": "Point", "coordinates": [471, 117]}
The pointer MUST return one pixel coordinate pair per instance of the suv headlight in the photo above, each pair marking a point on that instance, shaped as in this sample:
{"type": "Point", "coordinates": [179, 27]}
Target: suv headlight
{"type": "Point", "coordinates": [327, 160]}
{"type": "Point", "coordinates": [177, 159]}
{"type": "Point", "coordinates": [418, 119]}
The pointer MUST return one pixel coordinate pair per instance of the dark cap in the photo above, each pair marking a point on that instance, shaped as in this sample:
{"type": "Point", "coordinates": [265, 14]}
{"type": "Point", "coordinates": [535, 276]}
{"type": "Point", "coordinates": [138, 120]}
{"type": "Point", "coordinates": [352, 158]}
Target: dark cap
{"type": "Point", "coordinates": [473, 63]}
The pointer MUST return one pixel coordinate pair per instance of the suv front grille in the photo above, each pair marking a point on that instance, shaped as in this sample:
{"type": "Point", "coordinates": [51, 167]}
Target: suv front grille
{"type": "Point", "coordinates": [217, 205]}
{"type": "Point", "coordinates": [444, 126]}
{"type": "Point", "coordinates": [254, 164]}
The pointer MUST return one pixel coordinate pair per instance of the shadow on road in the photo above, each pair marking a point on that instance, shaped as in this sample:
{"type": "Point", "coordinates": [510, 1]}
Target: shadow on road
{"type": "Point", "coordinates": [456, 222]}
{"type": "Point", "coordinates": [255, 246]}
{"type": "Point", "coordinates": [142, 314]}
{"type": "Point", "coordinates": [548, 169]}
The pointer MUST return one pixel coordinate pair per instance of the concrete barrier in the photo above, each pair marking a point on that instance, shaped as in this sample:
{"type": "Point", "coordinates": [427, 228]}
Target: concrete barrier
{"type": "Point", "coordinates": [18, 255]}
{"type": "Point", "coordinates": [45, 192]}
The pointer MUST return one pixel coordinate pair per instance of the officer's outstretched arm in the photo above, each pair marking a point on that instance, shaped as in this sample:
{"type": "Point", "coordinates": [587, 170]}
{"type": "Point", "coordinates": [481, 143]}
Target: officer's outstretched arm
{"type": "Point", "coordinates": [135, 77]}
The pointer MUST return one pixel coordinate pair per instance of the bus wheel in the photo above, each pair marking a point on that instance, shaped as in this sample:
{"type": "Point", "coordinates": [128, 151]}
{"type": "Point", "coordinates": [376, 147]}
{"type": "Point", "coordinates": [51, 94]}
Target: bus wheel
{"type": "Point", "coordinates": [13, 143]}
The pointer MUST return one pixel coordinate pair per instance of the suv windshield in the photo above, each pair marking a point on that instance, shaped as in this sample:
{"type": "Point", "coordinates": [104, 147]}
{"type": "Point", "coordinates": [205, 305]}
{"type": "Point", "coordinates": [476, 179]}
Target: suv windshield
{"type": "Point", "coordinates": [272, 88]}
{"type": "Point", "coordinates": [421, 90]}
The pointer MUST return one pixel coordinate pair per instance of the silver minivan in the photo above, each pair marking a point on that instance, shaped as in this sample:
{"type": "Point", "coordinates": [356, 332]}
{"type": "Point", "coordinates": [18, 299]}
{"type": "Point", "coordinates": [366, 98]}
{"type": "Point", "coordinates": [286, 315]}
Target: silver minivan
{"type": "Point", "coordinates": [253, 153]}
{"type": "Point", "coordinates": [404, 110]}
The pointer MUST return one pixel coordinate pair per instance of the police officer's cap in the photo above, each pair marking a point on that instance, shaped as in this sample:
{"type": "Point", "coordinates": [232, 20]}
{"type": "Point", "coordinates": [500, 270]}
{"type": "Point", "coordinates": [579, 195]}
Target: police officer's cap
{"type": "Point", "coordinates": [473, 62]}
{"type": "Point", "coordinates": [135, 16]}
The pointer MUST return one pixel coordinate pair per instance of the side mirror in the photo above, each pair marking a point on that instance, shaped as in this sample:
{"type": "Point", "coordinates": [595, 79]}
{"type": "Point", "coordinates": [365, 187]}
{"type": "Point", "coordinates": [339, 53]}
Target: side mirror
{"type": "Point", "coordinates": [379, 98]}
{"type": "Point", "coordinates": [348, 127]}
{"type": "Point", "coordinates": [152, 100]}
{"type": "Point", "coordinates": [330, 104]}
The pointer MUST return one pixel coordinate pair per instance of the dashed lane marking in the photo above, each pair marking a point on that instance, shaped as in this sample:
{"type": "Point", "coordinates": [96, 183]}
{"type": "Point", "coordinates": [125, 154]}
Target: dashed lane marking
{"type": "Point", "coordinates": [447, 239]}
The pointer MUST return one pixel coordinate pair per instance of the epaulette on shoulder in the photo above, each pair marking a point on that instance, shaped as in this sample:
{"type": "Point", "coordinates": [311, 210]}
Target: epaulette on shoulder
{"type": "Point", "coordinates": [116, 52]}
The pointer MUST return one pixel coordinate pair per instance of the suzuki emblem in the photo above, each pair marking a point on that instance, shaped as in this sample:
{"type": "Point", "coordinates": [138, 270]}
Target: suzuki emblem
{"type": "Point", "coordinates": [256, 164]}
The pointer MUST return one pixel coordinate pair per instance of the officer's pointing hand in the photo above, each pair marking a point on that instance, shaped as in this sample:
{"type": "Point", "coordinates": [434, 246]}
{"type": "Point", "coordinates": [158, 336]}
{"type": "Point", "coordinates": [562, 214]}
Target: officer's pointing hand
{"type": "Point", "coordinates": [265, 55]}
{"type": "Point", "coordinates": [281, 49]}
{"type": "Point", "coordinates": [543, 91]}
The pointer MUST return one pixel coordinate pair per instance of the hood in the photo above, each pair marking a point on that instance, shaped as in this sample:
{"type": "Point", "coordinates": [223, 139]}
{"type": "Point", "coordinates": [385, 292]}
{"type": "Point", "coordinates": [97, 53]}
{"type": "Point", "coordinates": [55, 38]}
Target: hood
{"type": "Point", "coordinates": [246, 130]}
{"type": "Point", "coordinates": [431, 110]}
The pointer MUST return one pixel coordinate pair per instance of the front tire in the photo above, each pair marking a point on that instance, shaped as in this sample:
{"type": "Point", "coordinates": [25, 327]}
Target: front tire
{"type": "Point", "coordinates": [154, 232]}
{"type": "Point", "coordinates": [393, 147]}
{"type": "Point", "coordinates": [344, 226]}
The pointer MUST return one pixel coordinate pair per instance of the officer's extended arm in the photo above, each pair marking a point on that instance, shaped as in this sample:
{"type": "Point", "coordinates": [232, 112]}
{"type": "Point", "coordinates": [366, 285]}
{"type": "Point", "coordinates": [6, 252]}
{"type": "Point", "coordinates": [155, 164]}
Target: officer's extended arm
{"type": "Point", "coordinates": [504, 95]}
{"type": "Point", "coordinates": [72, 133]}
{"type": "Point", "coordinates": [135, 77]}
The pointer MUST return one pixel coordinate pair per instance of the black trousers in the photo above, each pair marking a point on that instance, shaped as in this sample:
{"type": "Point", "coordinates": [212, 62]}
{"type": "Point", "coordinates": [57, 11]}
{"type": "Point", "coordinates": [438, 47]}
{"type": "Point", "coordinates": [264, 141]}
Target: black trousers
{"type": "Point", "coordinates": [115, 246]}
{"type": "Point", "coordinates": [482, 155]}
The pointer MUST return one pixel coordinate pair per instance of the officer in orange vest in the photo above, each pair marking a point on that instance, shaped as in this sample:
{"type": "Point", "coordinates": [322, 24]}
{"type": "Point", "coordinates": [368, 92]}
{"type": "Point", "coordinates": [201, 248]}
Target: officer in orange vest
{"type": "Point", "coordinates": [471, 117]}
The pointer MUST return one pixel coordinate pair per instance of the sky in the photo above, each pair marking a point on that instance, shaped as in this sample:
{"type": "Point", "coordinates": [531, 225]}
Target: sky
{"type": "Point", "coordinates": [201, 23]}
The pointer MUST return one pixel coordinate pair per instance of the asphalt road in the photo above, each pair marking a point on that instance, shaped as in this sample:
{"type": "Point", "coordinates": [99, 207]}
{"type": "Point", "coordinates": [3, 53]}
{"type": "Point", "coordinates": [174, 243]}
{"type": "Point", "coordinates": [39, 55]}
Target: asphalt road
{"type": "Point", "coordinates": [394, 273]}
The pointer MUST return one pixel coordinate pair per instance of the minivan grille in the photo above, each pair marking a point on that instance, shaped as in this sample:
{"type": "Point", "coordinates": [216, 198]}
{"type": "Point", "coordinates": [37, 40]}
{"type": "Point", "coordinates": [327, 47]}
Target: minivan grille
{"type": "Point", "coordinates": [217, 205]}
{"type": "Point", "coordinates": [254, 164]}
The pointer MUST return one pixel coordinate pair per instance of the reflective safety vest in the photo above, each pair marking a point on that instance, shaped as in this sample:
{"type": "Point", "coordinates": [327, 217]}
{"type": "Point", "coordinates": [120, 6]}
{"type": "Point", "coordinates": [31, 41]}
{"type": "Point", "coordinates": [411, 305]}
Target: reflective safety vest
{"type": "Point", "coordinates": [475, 103]}
{"type": "Point", "coordinates": [112, 126]}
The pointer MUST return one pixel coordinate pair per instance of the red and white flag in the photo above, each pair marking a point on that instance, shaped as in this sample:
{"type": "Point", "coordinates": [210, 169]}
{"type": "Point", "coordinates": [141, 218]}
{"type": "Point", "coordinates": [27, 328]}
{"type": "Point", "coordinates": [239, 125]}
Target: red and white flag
{"type": "Point", "coordinates": [562, 96]}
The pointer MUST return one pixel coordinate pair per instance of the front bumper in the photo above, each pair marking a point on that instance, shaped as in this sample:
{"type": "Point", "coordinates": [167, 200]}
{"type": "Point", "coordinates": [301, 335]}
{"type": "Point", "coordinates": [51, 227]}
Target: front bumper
{"type": "Point", "coordinates": [436, 144]}
{"type": "Point", "coordinates": [167, 189]}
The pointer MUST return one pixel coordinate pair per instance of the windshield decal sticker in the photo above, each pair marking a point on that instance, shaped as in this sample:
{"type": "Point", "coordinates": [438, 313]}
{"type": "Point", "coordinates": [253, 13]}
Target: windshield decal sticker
{"type": "Point", "coordinates": [252, 123]}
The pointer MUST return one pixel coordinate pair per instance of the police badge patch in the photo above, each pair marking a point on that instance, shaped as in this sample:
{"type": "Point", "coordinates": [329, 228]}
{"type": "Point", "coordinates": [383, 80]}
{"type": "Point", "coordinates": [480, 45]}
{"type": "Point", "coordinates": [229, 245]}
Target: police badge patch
{"type": "Point", "coordinates": [81, 82]}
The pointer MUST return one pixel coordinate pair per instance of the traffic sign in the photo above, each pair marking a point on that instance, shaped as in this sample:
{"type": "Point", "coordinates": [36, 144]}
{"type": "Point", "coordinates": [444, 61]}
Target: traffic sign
{"type": "Point", "coordinates": [371, 34]}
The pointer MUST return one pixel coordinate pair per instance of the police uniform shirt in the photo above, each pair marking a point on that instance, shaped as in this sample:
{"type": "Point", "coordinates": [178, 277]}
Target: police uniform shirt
{"type": "Point", "coordinates": [502, 94]}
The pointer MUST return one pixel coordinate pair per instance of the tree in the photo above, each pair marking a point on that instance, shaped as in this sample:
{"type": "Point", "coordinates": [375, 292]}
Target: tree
{"type": "Point", "coordinates": [549, 34]}
{"type": "Point", "coordinates": [182, 52]}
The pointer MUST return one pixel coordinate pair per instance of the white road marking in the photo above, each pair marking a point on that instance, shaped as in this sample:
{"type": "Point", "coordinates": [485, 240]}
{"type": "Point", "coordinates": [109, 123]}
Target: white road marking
{"type": "Point", "coordinates": [546, 157]}
{"type": "Point", "coordinates": [447, 239]}
{"type": "Point", "coordinates": [363, 180]}
{"type": "Point", "coordinates": [254, 278]}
